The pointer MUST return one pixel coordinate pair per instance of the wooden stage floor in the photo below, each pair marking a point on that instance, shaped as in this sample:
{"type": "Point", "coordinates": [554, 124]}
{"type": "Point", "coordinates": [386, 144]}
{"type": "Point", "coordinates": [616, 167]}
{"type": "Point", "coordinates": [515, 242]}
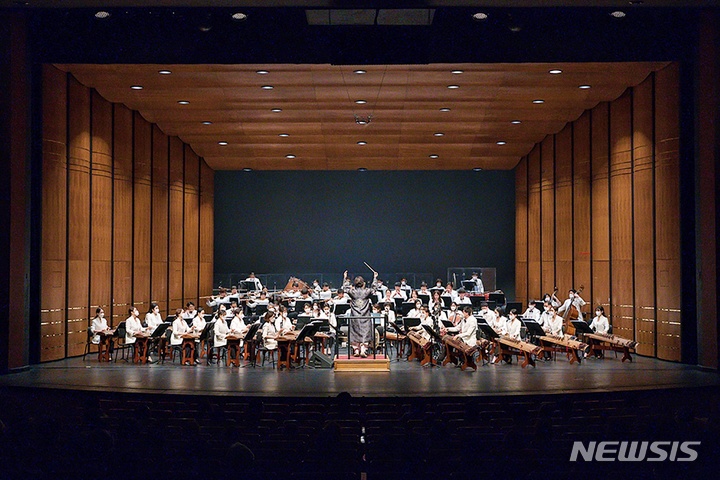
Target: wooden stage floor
{"type": "Point", "coordinates": [403, 380]}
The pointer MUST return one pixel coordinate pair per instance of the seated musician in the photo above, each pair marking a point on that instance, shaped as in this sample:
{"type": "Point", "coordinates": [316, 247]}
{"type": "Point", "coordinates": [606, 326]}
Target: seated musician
{"type": "Point", "coordinates": [513, 324]}
{"type": "Point", "coordinates": [455, 315]}
{"type": "Point", "coordinates": [424, 290]}
{"type": "Point", "coordinates": [553, 299]}
{"type": "Point", "coordinates": [600, 323]}
{"type": "Point", "coordinates": [573, 300]}
{"type": "Point", "coordinates": [450, 292]}
{"type": "Point", "coordinates": [532, 312]}
{"type": "Point", "coordinates": [153, 318]}
{"type": "Point", "coordinates": [198, 323]}
{"type": "Point", "coordinates": [435, 300]}
{"type": "Point", "coordinates": [405, 287]}
{"type": "Point", "coordinates": [388, 297]}
{"type": "Point", "coordinates": [307, 311]}
{"type": "Point", "coordinates": [467, 329]}
{"type": "Point", "coordinates": [545, 315]}
{"type": "Point", "coordinates": [389, 313]}
{"type": "Point", "coordinates": [554, 325]}
{"type": "Point", "coordinates": [425, 319]}
{"type": "Point", "coordinates": [263, 298]}
{"type": "Point", "coordinates": [222, 297]}
{"type": "Point", "coordinates": [438, 312]}
{"type": "Point", "coordinates": [463, 297]}
{"type": "Point", "coordinates": [179, 328]}
{"type": "Point", "coordinates": [486, 315]}
{"type": "Point", "coordinates": [398, 292]}
{"type": "Point", "coordinates": [315, 290]}
{"type": "Point", "coordinates": [253, 280]}
{"type": "Point", "coordinates": [381, 289]}
{"type": "Point", "coordinates": [133, 325]}
{"type": "Point", "coordinates": [317, 312]}
{"type": "Point", "coordinates": [325, 293]}
{"type": "Point", "coordinates": [340, 298]}
{"type": "Point", "coordinates": [234, 291]}
{"type": "Point", "coordinates": [294, 291]}
{"type": "Point", "coordinates": [415, 312]}
{"type": "Point", "coordinates": [237, 324]}
{"type": "Point", "coordinates": [282, 321]}
{"type": "Point", "coordinates": [220, 333]}
{"type": "Point", "coordinates": [478, 288]}
{"type": "Point", "coordinates": [498, 322]}
{"type": "Point", "coordinates": [269, 332]}
{"type": "Point", "coordinates": [305, 295]}
{"type": "Point", "coordinates": [190, 312]}
{"type": "Point", "coordinates": [438, 286]}
{"type": "Point", "coordinates": [99, 324]}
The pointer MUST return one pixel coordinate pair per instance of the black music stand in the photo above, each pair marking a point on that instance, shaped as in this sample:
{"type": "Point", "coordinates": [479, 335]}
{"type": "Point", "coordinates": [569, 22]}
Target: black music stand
{"type": "Point", "coordinates": [302, 320]}
{"type": "Point", "coordinates": [300, 305]}
{"type": "Point", "coordinates": [341, 308]}
{"type": "Point", "coordinates": [405, 307]}
{"type": "Point", "coordinates": [424, 297]}
{"type": "Point", "coordinates": [581, 326]}
{"type": "Point", "coordinates": [469, 285]}
{"type": "Point", "coordinates": [398, 304]}
{"type": "Point", "coordinates": [533, 328]}
{"type": "Point", "coordinates": [516, 305]}
{"type": "Point", "coordinates": [159, 330]}
{"type": "Point", "coordinates": [170, 319]}
{"type": "Point", "coordinates": [488, 331]}
{"type": "Point", "coordinates": [308, 330]}
{"type": "Point", "coordinates": [447, 300]}
{"type": "Point", "coordinates": [498, 298]}
{"type": "Point", "coordinates": [249, 339]}
{"type": "Point", "coordinates": [410, 322]}
{"type": "Point", "coordinates": [447, 323]}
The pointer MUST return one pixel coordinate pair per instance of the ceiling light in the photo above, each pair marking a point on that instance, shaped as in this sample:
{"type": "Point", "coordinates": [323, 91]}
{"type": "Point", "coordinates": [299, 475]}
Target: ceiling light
{"type": "Point", "coordinates": [362, 169]}
{"type": "Point", "coordinates": [555, 71]}
{"type": "Point", "coordinates": [363, 120]}
{"type": "Point", "coordinates": [445, 109]}
{"type": "Point", "coordinates": [453, 87]}
{"type": "Point", "coordinates": [289, 155]}
{"type": "Point", "coordinates": [584, 87]}
{"type": "Point", "coordinates": [618, 14]}
{"type": "Point", "coordinates": [207, 122]}
{"type": "Point", "coordinates": [239, 16]}
{"type": "Point", "coordinates": [222, 143]}
{"type": "Point", "coordinates": [501, 142]}
{"type": "Point", "coordinates": [433, 155]}
{"type": "Point", "coordinates": [479, 16]}
{"type": "Point", "coordinates": [359, 72]}
{"type": "Point", "coordinates": [361, 102]}
{"type": "Point", "coordinates": [262, 72]}
{"type": "Point", "coordinates": [438, 134]}
{"type": "Point", "coordinates": [276, 110]}
{"type": "Point", "coordinates": [136, 87]}
{"type": "Point", "coordinates": [247, 169]}
{"type": "Point", "coordinates": [538, 101]}
{"type": "Point", "coordinates": [477, 169]}
{"type": "Point", "coordinates": [267, 87]}
{"type": "Point", "coordinates": [362, 142]}
{"type": "Point", "coordinates": [102, 14]}
{"type": "Point", "coordinates": [284, 135]}
{"type": "Point", "coordinates": [456, 72]}
{"type": "Point", "coordinates": [515, 122]}
{"type": "Point", "coordinates": [183, 102]}
{"type": "Point", "coordinates": [164, 72]}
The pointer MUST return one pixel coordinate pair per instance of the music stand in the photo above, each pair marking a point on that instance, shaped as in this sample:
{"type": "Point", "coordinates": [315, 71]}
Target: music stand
{"type": "Point", "coordinates": [447, 300]}
{"type": "Point", "coordinates": [302, 320]}
{"type": "Point", "coordinates": [488, 331]}
{"type": "Point", "coordinates": [516, 305]}
{"type": "Point", "coordinates": [308, 330]}
{"type": "Point", "coordinates": [398, 304]}
{"type": "Point", "coordinates": [447, 323]}
{"type": "Point", "coordinates": [410, 322]}
{"type": "Point", "coordinates": [432, 333]}
{"type": "Point", "coordinates": [581, 326]}
{"type": "Point", "coordinates": [170, 319]}
{"type": "Point", "coordinates": [534, 329]}
{"type": "Point", "coordinates": [469, 285]}
{"type": "Point", "coordinates": [300, 305]}
{"type": "Point", "coordinates": [248, 286]}
{"type": "Point", "coordinates": [424, 297]}
{"type": "Point", "coordinates": [498, 298]}
{"type": "Point", "coordinates": [159, 330]}
{"type": "Point", "coordinates": [405, 307]}
{"type": "Point", "coordinates": [341, 309]}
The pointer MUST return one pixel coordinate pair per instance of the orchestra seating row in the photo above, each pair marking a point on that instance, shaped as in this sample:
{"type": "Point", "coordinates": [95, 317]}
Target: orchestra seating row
{"type": "Point", "coordinates": [86, 434]}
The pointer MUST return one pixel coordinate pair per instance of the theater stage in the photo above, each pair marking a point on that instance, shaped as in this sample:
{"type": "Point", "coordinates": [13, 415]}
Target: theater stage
{"type": "Point", "coordinates": [403, 380]}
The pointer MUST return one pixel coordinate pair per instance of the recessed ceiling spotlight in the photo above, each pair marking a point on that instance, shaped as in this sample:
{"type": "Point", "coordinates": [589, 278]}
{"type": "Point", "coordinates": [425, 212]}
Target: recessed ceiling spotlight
{"type": "Point", "coordinates": [636, 2]}
{"type": "Point", "coordinates": [515, 122]}
{"type": "Point", "coordinates": [207, 122]}
{"type": "Point", "coordinates": [584, 87]}
{"type": "Point", "coordinates": [362, 142]}
{"type": "Point", "coordinates": [453, 87]}
{"type": "Point", "coordinates": [164, 72]}
{"type": "Point", "coordinates": [362, 169]}
{"type": "Point", "coordinates": [438, 134]}
{"type": "Point", "coordinates": [283, 135]}
{"type": "Point", "coordinates": [289, 155]}
{"type": "Point", "coordinates": [276, 110]}
{"type": "Point", "coordinates": [222, 143]}
{"type": "Point", "coordinates": [102, 14]}
{"type": "Point", "coordinates": [247, 169]}
{"type": "Point", "coordinates": [183, 102]}
{"type": "Point", "coordinates": [239, 16]}
{"type": "Point", "coordinates": [501, 142]}
{"type": "Point", "coordinates": [267, 87]}
{"type": "Point", "coordinates": [477, 169]}
{"type": "Point", "coordinates": [136, 87]}
{"type": "Point", "coordinates": [479, 16]}
{"type": "Point", "coordinates": [538, 101]}
{"type": "Point", "coordinates": [617, 14]}
{"type": "Point", "coordinates": [555, 71]}
{"type": "Point", "coordinates": [359, 72]}
{"type": "Point", "coordinates": [445, 109]}
{"type": "Point", "coordinates": [262, 72]}
{"type": "Point", "coordinates": [433, 155]}
{"type": "Point", "coordinates": [361, 102]}
{"type": "Point", "coordinates": [456, 72]}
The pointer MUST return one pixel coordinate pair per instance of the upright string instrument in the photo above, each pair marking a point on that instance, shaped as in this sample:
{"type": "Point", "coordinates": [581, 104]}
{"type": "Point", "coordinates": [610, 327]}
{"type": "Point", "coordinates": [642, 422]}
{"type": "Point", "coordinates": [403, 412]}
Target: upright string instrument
{"type": "Point", "coordinates": [571, 313]}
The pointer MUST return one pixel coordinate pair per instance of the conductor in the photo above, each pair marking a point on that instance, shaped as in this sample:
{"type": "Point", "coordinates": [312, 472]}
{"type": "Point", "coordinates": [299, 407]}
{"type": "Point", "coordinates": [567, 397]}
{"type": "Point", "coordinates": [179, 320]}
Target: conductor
{"type": "Point", "coordinates": [360, 330]}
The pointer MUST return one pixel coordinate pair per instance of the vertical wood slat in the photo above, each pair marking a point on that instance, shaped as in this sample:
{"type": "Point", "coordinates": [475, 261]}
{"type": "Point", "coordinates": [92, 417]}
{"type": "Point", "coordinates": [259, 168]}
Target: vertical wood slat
{"type": "Point", "coordinates": [547, 213]}
{"type": "Point", "coordinates": [600, 209]}
{"type": "Point", "coordinates": [534, 233]}
{"type": "Point", "coordinates": [521, 231]}
{"type": "Point", "coordinates": [191, 225]}
{"type": "Point", "coordinates": [159, 232]}
{"type": "Point", "coordinates": [207, 230]}
{"type": "Point", "coordinates": [667, 212]}
{"type": "Point", "coordinates": [581, 206]}
{"type": "Point", "coordinates": [122, 213]}
{"type": "Point", "coordinates": [643, 227]}
{"type": "Point", "coordinates": [78, 193]}
{"type": "Point", "coordinates": [175, 224]}
{"type": "Point", "coordinates": [142, 175]}
{"type": "Point", "coordinates": [54, 221]}
{"type": "Point", "coordinates": [563, 210]}
{"type": "Point", "coordinates": [621, 215]}
{"type": "Point", "coordinates": [101, 195]}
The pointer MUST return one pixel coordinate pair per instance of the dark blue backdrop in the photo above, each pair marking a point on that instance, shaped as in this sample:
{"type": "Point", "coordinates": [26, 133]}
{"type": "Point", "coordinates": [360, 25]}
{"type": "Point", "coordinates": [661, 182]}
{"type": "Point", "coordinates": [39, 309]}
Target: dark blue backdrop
{"type": "Point", "coordinates": [409, 221]}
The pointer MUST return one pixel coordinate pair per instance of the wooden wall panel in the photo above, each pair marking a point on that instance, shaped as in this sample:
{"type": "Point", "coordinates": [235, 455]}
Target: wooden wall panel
{"type": "Point", "coordinates": [101, 185]}
{"type": "Point", "coordinates": [547, 214]}
{"type": "Point", "coordinates": [122, 213]}
{"type": "Point", "coordinates": [142, 210]}
{"type": "Point", "coordinates": [207, 230]}
{"type": "Point", "coordinates": [667, 212]}
{"type": "Point", "coordinates": [563, 210]}
{"type": "Point", "coordinates": [581, 206]}
{"type": "Point", "coordinates": [54, 218]}
{"type": "Point", "coordinates": [191, 227]}
{"type": "Point", "coordinates": [159, 231]}
{"type": "Point", "coordinates": [78, 193]}
{"type": "Point", "coordinates": [521, 231]}
{"type": "Point", "coordinates": [621, 216]}
{"type": "Point", "coordinates": [175, 225]}
{"type": "Point", "coordinates": [534, 265]}
{"type": "Point", "coordinates": [643, 225]}
{"type": "Point", "coordinates": [600, 209]}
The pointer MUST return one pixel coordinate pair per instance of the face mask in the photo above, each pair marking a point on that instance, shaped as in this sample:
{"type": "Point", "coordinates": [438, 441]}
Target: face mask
{"type": "Point", "coordinates": [453, 308]}
{"type": "Point", "coordinates": [101, 314]}
{"type": "Point", "coordinates": [598, 313]}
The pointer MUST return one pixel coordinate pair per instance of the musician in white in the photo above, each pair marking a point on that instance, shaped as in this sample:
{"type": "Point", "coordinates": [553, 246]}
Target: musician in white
{"type": "Point", "coordinates": [424, 290]}
{"type": "Point", "coordinates": [415, 312]}
{"type": "Point", "coordinates": [325, 293]}
{"type": "Point", "coordinates": [405, 287]}
{"type": "Point", "coordinates": [340, 298]}
{"type": "Point", "coordinates": [532, 312]}
{"type": "Point", "coordinates": [153, 318]}
{"type": "Point", "coordinates": [262, 300]}
{"type": "Point", "coordinates": [467, 329]}
{"type": "Point", "coordinates": [438, 286]}
{"type": "Point", "coordinates": [498, 322]}
{"type": "Point", "coordinates": [486, 315]}
{"type": "Point", "coordinates": [269, 332]}
{"type": "Point", "coordinates": [220, 333]}
{"type": "Point", "coordinates": [554, 325]}
{"type": "Point", "coordinates": [450, 292]}
{"type": "Point", "coordinates": [463, 298]}
{"type": "Point", "coordinates": [198, 323]}
{"type": "Point", "coordinates": [553, 299]}
{"type": "Point", "coordinates": [237, 325]}
{"type": "Point", "coordinates": [425, 319]}
{"type": "Point", "coordinates": [190, 313]}
{"type": "Point", "coordinates": [398, 292]}
{"type": "Point", "coordinates": [222, 297]}
{"type": "Point", "coordinates": [575, 300]}
{"type": "Point", "coordinates": [133, 325]}
{"type": "Point", "coordinates": [282, 321]}
{"type": "Point", "coordinates": [436, 300]}
{"type": "Point", "coordinates": [455, 315]}
{"type": "Point", "coordinates": [389, 313]}
{"type": "Point", "coordinates": [294, 291]}
{"type": "Point", "coordinates": [600, 323]}
{"type": "Point", "coordinates": [545, 315]}
{"type": "Point", "coordinates": [478, 288]}
{"type": "Point", "coordinates": [388, 297]}
{"type": "Point", "coordinates": [512, 326]}
{"type": "Point", "coordinates": [381, 289]}
{"type": "Point", "coordinates": [179, 328]}
{"type": "Point", "coordinates": [253, 280]}
{"type": "Point", "coordinates": [317, 312]}
{"type": "Point", "coordinates": [99, 324]}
